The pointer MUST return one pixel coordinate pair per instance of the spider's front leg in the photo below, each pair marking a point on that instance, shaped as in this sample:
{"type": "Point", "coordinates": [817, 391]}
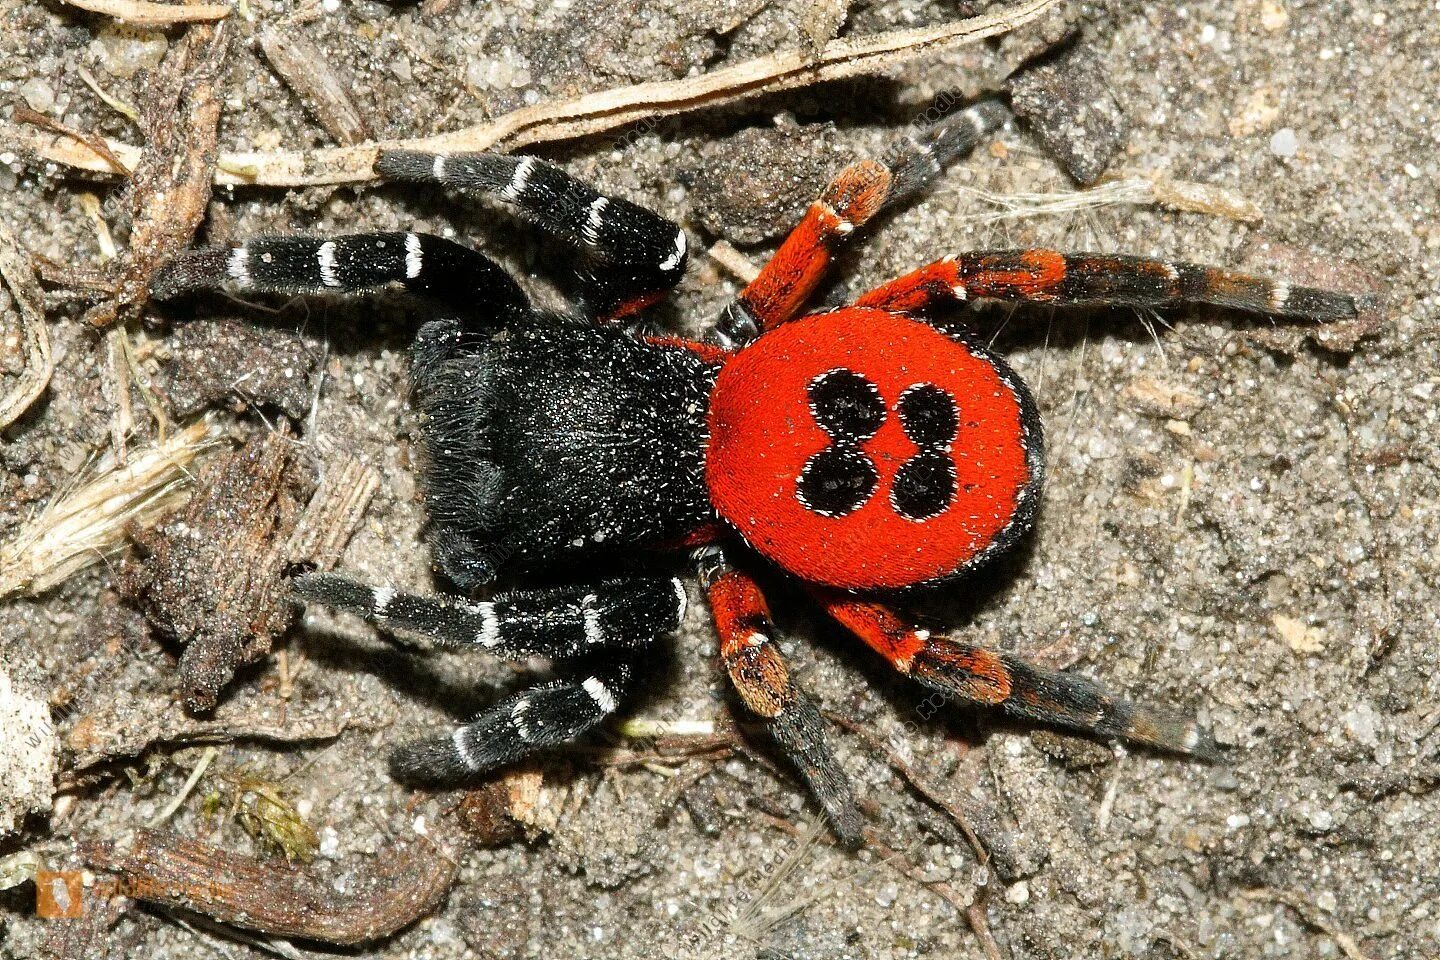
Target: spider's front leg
{"type": "Point", "coordinates": [596, 632]}
{"type": "Point", "coordinates": [633, 255]}
{"type": "Point", "coordinates": [759, 674]}
{"type": "Point", "coordinates": [1022, 690]}
{"type": "Point", "coordinates": [441, 269]}
{"type": "Point", "coordinates": [1047, 276]}
{"type": "Point", "coordinates": [851, 199]}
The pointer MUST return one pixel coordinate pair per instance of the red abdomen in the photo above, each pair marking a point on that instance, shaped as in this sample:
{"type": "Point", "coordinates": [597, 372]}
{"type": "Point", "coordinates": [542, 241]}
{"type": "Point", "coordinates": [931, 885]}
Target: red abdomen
{"type": "Point", "coordinates": [866, 450]}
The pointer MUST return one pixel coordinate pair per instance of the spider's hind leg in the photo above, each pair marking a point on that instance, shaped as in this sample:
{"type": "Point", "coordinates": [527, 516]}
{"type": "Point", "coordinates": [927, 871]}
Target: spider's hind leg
{"type": "Point", "coordinates": [597, 632]}
{"type": "Point", "coordinates": [1078, 279]}
{"type": "Point", "coordinates": [759, 674]}
{"type": "Point", "coordinates": [542, 716]}
{"type": "Point", "coordinates": [632, 255]}
{"type": "Point", "coordinates": [1022, 690]}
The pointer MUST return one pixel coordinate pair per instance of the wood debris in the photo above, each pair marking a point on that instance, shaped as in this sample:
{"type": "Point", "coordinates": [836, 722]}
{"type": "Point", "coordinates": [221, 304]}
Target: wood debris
{"type": "Point", "coordinates": [25, 360]}
{"type": "Point", "coordinates": [170, 179]}
{"type": "Point", "coordinates": [214, 575]}
{"type": "Point", "coordinates": [145, 13]}
{"type": "Point", "coordinates": [314, 79]}
{"type": "Point", "coordinates": [497, 812]}
{"type": "Point", "coordinates": [592, 113]}
{"type": "Point", "coordinates": [405, 882]}
{"type": "Point", "coordinates": [91, 521]}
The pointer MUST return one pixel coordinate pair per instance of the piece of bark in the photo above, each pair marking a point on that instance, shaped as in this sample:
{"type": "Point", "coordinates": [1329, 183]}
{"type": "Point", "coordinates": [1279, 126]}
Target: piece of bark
{"type": "Point", "coordinates": [25, 362]}
{"type": "Point", "coordinates": [170, 184]}
{"type": "Point", "coordinates": [214, 576]}
{"type": "Point", "coordinates": [1068, 103]}
{"type": "Point", "coordinates": [405, 882]}
{"type": "Point", "coordinates": [211, 577]}
{"type": "Point", "coordinates": [496, 812]}
{"type": "Point", "coordinates": [334, 513]}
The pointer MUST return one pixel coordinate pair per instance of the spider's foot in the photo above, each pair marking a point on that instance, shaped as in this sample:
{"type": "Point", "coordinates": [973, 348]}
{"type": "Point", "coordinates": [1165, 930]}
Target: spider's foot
{"type": "Point", "coordinates": [800, 732]}
{"type": "Point", "coordinates": [514, 728]}
{"type": "Point", "coordinates": [1027, 692]}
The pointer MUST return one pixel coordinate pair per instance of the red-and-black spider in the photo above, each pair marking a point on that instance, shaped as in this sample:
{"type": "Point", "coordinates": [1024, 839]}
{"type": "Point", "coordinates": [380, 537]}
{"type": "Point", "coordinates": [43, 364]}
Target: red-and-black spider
{"type": "Point", "coordinates": [864, 450]}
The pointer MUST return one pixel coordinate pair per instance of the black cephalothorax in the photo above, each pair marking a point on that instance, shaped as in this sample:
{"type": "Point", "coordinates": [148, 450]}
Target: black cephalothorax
{"type": "Point", "coordinates": [557, 441]}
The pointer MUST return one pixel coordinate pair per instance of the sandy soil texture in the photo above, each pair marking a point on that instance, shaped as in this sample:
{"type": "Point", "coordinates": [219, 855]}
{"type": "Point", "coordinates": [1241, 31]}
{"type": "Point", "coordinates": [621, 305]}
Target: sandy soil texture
{"type": "Point", "coordinates": [1239, 521]}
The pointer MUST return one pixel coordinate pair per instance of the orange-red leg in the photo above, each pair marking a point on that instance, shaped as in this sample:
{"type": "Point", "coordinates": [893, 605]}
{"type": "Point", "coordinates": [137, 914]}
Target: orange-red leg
{"type": "Point", "coordinates": [851, 199]}
{"type": "Point", "coordinates": [1046, 276]}
{"type": "Point", "coordinates": [758, 672]}
{"type": "Point", "coordinates": [1019, 689]}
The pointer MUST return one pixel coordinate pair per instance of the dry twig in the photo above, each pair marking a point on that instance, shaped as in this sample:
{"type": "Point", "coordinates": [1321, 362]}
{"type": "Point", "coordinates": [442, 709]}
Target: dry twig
{"type": "Point", "coordinates": [213, 576]}
{"type": "Point", "coordinates": [172, 728]}
{"type": "Point", "coordinates": [148, 14]}
{"type": "Point", "coordinates": [92, 520]}
{"type": "Point", "coordinates": [171, 178]}
{"type": "Point", "coordinates": [334, 512]}
{"type": "Point", "coordinates": [31, 341]}
{"type": "Point", "coordinates": [387, 893]}
{"type": "Point", "coordinates": [589, 113]}
{"type": "Point", "coordinates": [311, 75]}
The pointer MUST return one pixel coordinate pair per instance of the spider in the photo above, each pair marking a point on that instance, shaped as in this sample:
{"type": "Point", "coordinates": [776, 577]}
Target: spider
{"type": "Point", "coordinates": [868, 451]}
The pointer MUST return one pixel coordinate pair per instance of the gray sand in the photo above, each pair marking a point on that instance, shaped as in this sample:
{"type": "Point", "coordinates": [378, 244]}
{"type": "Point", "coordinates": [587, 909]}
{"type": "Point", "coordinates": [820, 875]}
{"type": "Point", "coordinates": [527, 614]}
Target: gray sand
{"type": "Point", "coordinates": [1236, 526]}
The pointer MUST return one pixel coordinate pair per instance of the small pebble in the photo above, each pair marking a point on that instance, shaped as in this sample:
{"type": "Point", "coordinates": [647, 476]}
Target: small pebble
{"type": "Point", "coordinates": [1284, 143]}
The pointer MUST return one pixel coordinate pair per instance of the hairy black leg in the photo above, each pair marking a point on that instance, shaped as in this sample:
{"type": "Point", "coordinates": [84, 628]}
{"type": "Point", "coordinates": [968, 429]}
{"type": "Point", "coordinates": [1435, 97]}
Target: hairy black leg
{"type": "Point", "coordinates": [562, 623]}
{"type": "Point", "coordinates": [634, 254]}
{"type": "Point", "coordinates": [760, 676]}
{"type": "Point", "coordinates": [424, 264]}
{"type": "Point", "coordinates": [541, 716]}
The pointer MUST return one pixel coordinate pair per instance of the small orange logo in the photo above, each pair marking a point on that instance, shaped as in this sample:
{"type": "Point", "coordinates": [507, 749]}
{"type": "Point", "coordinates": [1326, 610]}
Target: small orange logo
{"type": "Point", "coordinates": [59, 894]}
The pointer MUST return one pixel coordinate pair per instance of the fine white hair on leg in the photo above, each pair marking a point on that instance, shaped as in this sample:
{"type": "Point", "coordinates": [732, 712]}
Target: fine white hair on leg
{"type": "Point", "coordinates": [516, 186]}
{"type": "Point", "coordinates": [601, 694]}
{"type": "Point", "coordinates": [326, 259]}
{"type": "Point", "coordinates": [489, 632]}
{"type": "Point", "coordinates": [673, 261]}
{"type": "Point", "coordinates": [517, 717]}
{"type": "Point", "coordinates": [458, 738]}
{"type": "Point", "coordinates": [413, 257]}
{"type": "Point", "coordinates": [238, 266]}
{"type": "Point", "coordinates": [681, 597]}
{"type": "Point", "coordinates": [1280, 296]}
{"type": "Point", "coordinates": [594, 633]}
{"type": "Point", "coordinates": [380, 601]}
{"type": "Point", "coordinates": [595, 220]}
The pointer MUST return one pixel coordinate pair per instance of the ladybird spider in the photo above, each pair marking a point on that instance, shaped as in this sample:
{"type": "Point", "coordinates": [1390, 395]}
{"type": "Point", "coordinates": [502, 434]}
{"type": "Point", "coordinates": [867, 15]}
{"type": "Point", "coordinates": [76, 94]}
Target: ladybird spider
{"type": "Point", "coordinates": [862, 450]}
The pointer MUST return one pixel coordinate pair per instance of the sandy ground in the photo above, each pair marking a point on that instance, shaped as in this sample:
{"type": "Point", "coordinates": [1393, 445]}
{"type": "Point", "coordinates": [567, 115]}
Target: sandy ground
{"type": "Point", "coordinates": [1234, 525]}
